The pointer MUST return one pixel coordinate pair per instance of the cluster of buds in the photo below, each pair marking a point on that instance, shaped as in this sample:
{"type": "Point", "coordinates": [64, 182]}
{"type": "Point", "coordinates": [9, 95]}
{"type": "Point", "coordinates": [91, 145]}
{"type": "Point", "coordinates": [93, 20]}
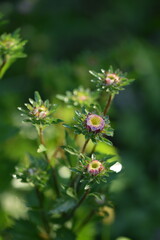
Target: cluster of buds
{"type": "Point", "coordinates": [79, 97]}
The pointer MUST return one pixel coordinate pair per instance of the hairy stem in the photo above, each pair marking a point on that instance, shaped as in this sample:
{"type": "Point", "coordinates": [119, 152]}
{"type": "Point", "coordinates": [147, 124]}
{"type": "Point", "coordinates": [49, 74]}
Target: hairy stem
{"type": "Point", "coordinates": [49, 162]}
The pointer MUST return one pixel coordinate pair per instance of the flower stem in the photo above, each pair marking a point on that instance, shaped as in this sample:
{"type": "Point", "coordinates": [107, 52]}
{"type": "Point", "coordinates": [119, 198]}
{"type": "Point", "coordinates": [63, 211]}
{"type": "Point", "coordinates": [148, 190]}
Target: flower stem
{"type": "Point", "coordinates": [49, 162]}
{"type": "Point", "coordinates": [43, 215]}
{"type": "Point", "coordinates": [86, 220]}
{"type": "Point", "coordinates": [108, 104]}
{"type": "Point", "coordinates": [85, 145]}
{"type": "Point", "coordinates": [93, 149]}
{"type": "Point", "coordinates": [78, 203]}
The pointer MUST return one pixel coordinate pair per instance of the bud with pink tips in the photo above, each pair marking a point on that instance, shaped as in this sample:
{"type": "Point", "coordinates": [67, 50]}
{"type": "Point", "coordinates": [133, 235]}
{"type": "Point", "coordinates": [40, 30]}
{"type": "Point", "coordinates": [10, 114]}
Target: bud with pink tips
{"type": "Point", "coordinates": [95, 167]}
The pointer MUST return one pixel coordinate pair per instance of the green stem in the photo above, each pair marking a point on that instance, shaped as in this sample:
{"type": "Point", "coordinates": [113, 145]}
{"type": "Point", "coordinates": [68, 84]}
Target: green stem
{"type": "Point", "coordinates": [43, 216]}
{"type": "Point", "coordinates": [2, 67]}
{"type": "Point", "coordinates": [78, 179]}
{"type": "Point", "coordinates": [49, 163]}
{"type": "Point", "coordinates": [78, 204]}
{"type": "Point", "coordinates": [85, 145]}
{"type": "Point", "coordinates": [93, 149]}
{"type": "Point", "coordinates": [86, 220]}
{"type": "Point", "coordinates": [108, 105]}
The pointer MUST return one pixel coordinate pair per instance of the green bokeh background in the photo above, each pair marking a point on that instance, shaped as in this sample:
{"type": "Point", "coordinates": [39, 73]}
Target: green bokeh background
{"type": "Point", "coordinates": [65, 39]}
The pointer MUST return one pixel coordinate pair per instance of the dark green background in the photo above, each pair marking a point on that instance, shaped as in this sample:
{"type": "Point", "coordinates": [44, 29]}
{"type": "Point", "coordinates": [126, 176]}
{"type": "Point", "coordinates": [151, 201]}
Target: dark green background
{"type": "Point", "coordinates": [65, 40]}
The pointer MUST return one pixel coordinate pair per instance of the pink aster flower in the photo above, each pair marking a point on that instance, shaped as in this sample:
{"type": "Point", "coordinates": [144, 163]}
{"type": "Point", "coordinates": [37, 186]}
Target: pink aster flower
{"type": "Point", "coordinates": [95, 167]}
{"type": "Point", "coordinates": [112, 78]}
{"type": "Point", "coordinates": [95, 123]}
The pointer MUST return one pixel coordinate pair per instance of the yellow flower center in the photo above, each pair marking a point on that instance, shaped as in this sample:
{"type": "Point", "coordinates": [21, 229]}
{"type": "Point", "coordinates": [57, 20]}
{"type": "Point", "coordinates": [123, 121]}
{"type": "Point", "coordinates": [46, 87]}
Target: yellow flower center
{"type": "Point", "coordinates": [95, 121]}
{"type": "Point", "coordinates": [95, 165]}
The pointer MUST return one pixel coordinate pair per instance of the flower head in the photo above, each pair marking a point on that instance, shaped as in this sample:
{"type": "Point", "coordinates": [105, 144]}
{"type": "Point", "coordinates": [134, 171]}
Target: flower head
{"type": "Point", "coordinates": [112, 78]}
{"type": "Point", "coordinates": [92, 125]}
{"type": "Point", "coordinates": [12, 45]}
{"type": "Point", "coordinates": [110, 81]}
{"type": "Point", "coordinates": [95, 167]}
{"type": "Point", "coordinates": [79, 97]}
{"type": "Point", "coordinates": [95, 123]}
{"type": "Point", "coordinates": [40, 112]}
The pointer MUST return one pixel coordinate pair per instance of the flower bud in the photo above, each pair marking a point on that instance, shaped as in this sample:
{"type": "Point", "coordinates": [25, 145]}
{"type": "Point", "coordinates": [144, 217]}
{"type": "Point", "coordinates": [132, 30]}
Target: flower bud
{"type": "Point", "coordinates": [95, 167]}
{"type": "Point", "coordinates": [39, 112]}
{"type": "Point", "coordinates": [112, 78]}
{"type": "Point", "coordinates": [95, 123]}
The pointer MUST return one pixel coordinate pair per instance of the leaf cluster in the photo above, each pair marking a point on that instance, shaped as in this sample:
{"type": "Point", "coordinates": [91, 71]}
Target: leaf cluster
{"type": "Point", "coordinates": [36, 173]}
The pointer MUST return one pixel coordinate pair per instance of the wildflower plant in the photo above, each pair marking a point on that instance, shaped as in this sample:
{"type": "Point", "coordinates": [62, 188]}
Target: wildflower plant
{"type": "Point", "coordinates": [90, 172]}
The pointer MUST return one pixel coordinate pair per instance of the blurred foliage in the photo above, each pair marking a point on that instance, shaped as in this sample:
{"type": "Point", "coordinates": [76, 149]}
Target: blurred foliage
{"type": "Point", "coordinates": [65, 39]}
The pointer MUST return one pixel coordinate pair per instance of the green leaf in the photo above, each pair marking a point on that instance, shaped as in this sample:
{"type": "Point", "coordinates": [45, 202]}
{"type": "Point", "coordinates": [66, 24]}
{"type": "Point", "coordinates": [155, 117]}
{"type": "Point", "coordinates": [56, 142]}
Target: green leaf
{"type": "Point", "coordinates": [70, 192]}
{"type": "Point", "coordinates": [31, 101]}
{"type": "Point", "coordinates": [95, 74]}
{"type": "Point", "coordinates": [105, 140]}
{"type": "Point", "coordinates": [75, 170]}
{"type": "Point", "coordinates": [71, 150]}
{"type": "Point", "coordinates": [67, 126]}
{"type": "Point", "coordinates": [98, 196]}
{"type": "Point", "coordinates": [37, 97]}
{"type": "Point", "coordinates": [63, 206]}
{"type": "Point", "coordinates": [20, 230]}
{"type": "Point", "coordinates": [56, 121]}
{"type": "Point", "coordinates": [41, 148]}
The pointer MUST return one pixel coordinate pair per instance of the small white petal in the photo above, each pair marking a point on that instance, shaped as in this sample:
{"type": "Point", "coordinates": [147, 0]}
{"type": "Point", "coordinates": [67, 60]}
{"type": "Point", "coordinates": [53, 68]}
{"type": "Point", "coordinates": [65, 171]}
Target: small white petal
{"type": "Point", "coordinates": [117, 167]}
